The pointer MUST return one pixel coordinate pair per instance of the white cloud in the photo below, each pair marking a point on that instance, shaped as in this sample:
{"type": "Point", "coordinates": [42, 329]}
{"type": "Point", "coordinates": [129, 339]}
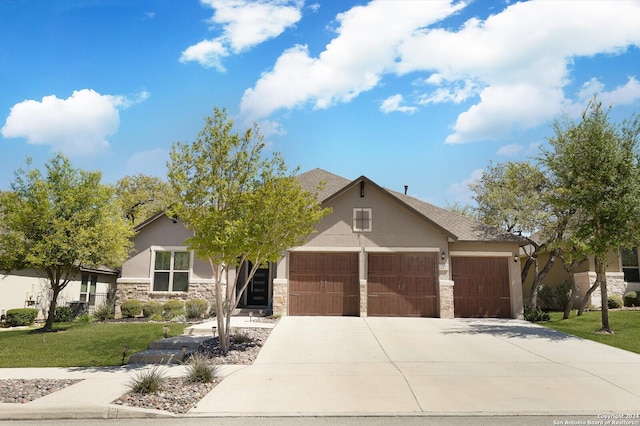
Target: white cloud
{"type": "Point", "coordinates": [78, 125]}
{"type": "Point", "coordinates": [392, 103]}
{"type": "Point", "coordinates": [352, 62]}
{"type": "Point", "coordinates": [510, 150]}
{"type": "Point", "coordinates": [245, 23]}
{"type": "Point", "coordinates": [460, 190]}
{"type": "Point", "coordinates": [153, 163]}
{"type": "Point", "coordinates": [514, 65]}
{"type": "Point", "coordinates": [621, 95]}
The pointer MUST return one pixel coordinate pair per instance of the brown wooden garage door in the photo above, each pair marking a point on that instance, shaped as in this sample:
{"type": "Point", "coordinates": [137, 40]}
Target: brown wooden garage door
{"type": "Point", "coordinates": [481, 287]}
{"type": "Point", "coordinates": [402, 285]}
{"type": "Point", "coordinates": [324, 284]}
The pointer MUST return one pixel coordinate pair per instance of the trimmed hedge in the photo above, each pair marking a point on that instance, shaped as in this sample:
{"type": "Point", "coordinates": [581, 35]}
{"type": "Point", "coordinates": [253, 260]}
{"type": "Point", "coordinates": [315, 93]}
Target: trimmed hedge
{"type": "Point", "coordinates": [131, 308]}
{"type": "Point", "coordinates": [63, 314]}
{"type": "Point", "coordinates": [21, 316]}
{"type": "Point", "coordinates": [151, 309]}
{"type": "Point", "coordinates": [614, 301]}
{"type": "Point", "coordinates": [172, 308]}
{"type": "Point", "coordinates": [632, 299]}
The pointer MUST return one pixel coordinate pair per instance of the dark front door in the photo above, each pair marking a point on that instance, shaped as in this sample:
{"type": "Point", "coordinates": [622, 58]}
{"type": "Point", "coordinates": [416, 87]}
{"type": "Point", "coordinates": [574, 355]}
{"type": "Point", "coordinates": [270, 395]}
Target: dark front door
{"type": "Point", "coordinates": [258, 288]}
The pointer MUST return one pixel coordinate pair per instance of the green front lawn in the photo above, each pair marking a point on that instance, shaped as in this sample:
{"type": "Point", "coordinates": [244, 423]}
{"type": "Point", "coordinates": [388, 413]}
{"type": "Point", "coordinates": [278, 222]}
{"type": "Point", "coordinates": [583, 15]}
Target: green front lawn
{"type": "Point", "coordinates": [625, 325]}
{"type": "Point", "coordinates": [79, 344]}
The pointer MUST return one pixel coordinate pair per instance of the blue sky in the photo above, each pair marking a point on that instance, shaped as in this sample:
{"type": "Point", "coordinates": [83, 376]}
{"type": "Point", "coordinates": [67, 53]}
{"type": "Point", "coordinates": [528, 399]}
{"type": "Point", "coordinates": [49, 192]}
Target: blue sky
{"type": "Point", "coordinates": [406, 92]}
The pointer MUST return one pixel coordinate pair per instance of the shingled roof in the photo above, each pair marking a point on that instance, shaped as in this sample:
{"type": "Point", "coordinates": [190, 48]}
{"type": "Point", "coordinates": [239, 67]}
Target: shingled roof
{"type": "Point", "coordinates": [460, 228]}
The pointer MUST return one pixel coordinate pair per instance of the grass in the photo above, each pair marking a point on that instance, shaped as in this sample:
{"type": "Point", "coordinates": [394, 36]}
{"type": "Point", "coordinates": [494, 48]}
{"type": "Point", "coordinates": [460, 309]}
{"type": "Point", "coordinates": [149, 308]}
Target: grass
{"type": "Point", "coordinates": [79, 344]}
{"type": "Point", "coordinates": [624, 323]}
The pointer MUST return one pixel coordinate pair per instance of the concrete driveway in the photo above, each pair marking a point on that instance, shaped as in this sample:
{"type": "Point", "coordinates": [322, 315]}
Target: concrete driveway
{"type": "Point", "coordinates": [394, 366]}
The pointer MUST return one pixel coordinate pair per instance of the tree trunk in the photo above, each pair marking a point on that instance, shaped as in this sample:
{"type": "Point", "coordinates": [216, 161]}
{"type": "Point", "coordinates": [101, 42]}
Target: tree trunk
{"type": "Point", "coordinates": [220, 316]}
{"type": "Point", "coordinates": [602, 277]}
{"type": "Point", "coordinates": [537, 279]}
{"type": "Point", "coordinates": [48, 325]}
{"type": "Point", "coordinates": [587, 296]}
{"type": "Point", "coordinates": [569, 306]}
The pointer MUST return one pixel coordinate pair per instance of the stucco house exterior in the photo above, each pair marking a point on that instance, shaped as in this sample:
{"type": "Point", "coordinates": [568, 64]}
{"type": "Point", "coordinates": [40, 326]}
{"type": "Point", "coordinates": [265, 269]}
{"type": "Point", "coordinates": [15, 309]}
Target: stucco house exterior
{"type": "Point", "coordinates": [379, 253]}
{"type": "Point", "coordinates": [622, 270]}
{"type": "Point", "coordinates": [90, 287]}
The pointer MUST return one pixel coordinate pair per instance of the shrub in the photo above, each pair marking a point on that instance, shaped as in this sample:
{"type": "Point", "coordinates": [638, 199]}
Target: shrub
{"type": "Point", "coordinates": [632, 299]}
{"type": "Point", "coordinates": [240, 338]}
{"type": "Point", "coordinates": [151, 309]}
{"type": "Point", "coordinates": [22, 316]}
{"type": "Point", "coordinates": [614, 301]}
{"type": "Point", "coordinates": [104, 312]}
{"type": "Point", "coordinates": [195, 308]}
{"type": "Point", "coordinates": [131, 308]}
{"type": "Point", "coordinates": [199, 370]}
{"type": "Point", "coordinates": [63, 314]}
{"type": "Point", "coordinates": [554, 297]}
{"type": "Point", "coordinates": [536, 315]}
{"type": "Point", "coordinates": [172, 308]}
{"type": "Point", "coordinates": [83, 319]}
{"type": "Point", "coordinates": [150, 380]}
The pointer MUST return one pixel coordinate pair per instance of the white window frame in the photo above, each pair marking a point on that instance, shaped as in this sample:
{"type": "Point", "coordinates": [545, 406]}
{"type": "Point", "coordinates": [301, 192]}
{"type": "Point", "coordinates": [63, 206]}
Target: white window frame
{"type": "Point", "coordinates": [171, 270]}
{"type": "Point", "coordinates": [357, 210]}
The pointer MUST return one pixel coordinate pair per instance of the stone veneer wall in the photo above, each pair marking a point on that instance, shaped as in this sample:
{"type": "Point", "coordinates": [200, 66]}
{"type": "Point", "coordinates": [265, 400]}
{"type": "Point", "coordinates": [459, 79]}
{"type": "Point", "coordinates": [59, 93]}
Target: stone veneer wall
{"type": "Point", "coordinates": [446, 299]}
{"type": "Point", "coordinates": [280, 296]}
{"type": "Point", "coordinates": [363, 298]}
{"type": "Point", "coordinates": [615, 285]}
{"type": "Point", "coordinates": [140, 291]}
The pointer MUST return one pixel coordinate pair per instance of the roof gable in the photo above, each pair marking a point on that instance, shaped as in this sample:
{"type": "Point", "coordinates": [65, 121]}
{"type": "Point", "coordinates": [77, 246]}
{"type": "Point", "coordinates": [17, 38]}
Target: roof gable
{"type": "Point", "coordinates": [457, 227]}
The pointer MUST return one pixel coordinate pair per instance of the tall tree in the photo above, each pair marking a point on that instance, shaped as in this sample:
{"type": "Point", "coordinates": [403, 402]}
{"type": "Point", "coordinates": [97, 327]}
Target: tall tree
{"type": "Point", "coordinates": [512, 196]}
{"type": "Point", "coordinates": [60, 220]}
{"type": "Point", "coordinates": [241, 206]}
{"type": "Point", "coordinates": [593, 167]}
{"type": "Point", "coordinates": [142, 196]}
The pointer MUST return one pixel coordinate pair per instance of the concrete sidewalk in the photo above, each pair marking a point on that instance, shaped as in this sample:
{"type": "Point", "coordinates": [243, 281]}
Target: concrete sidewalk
{"type": "Point", "coordinates": [318, 366]}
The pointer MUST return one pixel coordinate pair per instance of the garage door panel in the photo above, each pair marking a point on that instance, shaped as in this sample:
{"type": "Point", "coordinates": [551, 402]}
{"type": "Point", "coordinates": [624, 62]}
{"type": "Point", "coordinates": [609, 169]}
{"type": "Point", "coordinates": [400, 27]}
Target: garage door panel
{"type": "Point", "coordinates": [402, 284]}
{"type": "Point", "coordinates": [324, 284]}
{"type": "Point", "coordinates": [481, 287]}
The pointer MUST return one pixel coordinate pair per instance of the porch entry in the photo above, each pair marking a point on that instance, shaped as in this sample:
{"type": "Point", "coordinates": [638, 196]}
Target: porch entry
{"type": "Point", "coordinates": [257, 292]}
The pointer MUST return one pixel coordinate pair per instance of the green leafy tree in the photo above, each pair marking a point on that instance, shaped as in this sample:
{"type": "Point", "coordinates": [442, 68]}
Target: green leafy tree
{"type": "Point", "coordinates": [593, 168]}
{"type": "Point", "coordinates": [142, 196]}
{"type": "Point", "coordinates": [60, 220]}
{"type": "Point", "coordinates": [241, 206]}
{"type": "Point", "coordinates": [512, 196]}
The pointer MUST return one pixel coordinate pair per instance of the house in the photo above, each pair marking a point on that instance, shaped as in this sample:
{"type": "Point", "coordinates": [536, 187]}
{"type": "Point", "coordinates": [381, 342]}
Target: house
{"type": "Point", "coordinates": [90, 287]}
{"type": "Point", "coordinates": [622, 271]}
{"type": "Point", "coordinates": [379, 253]}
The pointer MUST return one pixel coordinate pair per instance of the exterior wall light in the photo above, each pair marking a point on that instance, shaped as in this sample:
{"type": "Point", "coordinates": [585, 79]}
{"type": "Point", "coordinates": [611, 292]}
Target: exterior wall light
{"type": "Point", "coordinates": [442, 255]}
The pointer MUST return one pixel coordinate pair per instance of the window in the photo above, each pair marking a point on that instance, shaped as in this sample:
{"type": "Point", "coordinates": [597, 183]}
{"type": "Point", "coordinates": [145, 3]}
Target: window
{"type": "Point", "coordinates": [88, 288]}
{"type": "Point", "coordinates": [361, 220]}
{"type": "Point", "coordinates": [630, 265]}
{"type": "Point", "coordinates": [171, 271]}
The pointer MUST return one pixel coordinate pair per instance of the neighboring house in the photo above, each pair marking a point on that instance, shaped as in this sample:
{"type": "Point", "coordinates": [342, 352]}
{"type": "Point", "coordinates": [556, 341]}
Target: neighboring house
{"type": "Point", "coordinates": [379, 253]}
{"type": "Point", "coordinates": [31, 289]}
{"type": "Point", "coordinates": [623, 276]}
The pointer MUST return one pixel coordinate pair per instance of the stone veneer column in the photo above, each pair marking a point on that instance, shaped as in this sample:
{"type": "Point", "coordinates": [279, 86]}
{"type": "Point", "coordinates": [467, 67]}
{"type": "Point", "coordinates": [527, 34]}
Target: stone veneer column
{"type": "Point", "coordinates": [363, 298]}
{"type": "Point", "coordinates": [280, 296]}
{"type": "Point", "coordinates": [446, 298]}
